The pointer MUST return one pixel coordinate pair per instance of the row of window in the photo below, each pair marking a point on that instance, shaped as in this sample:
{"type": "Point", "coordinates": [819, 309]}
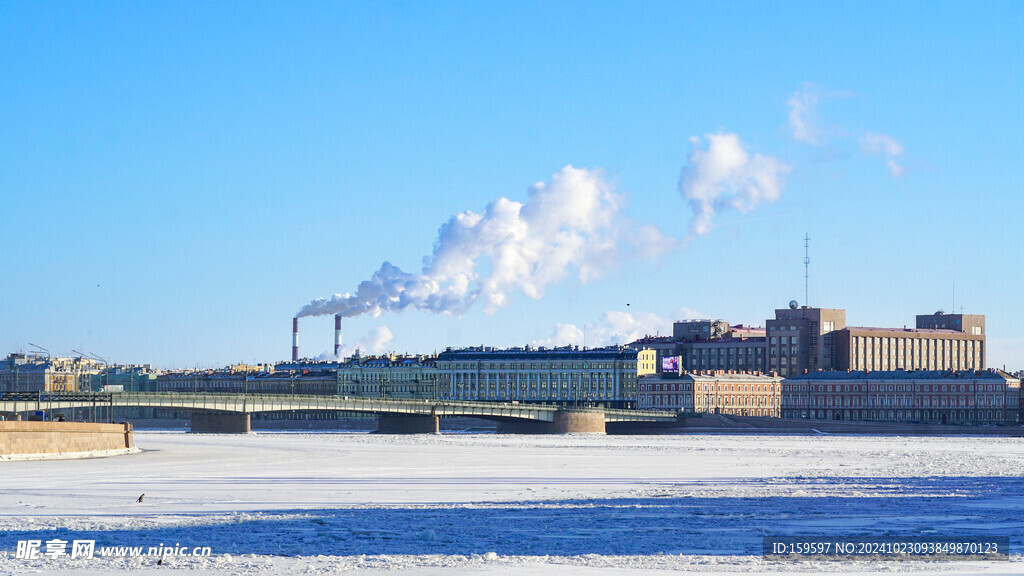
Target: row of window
{"type": "Point", "coordinates": [932, 416]}
{"type": "Point", "coordinates": [921, 401]}
{"type": "Point", "coordinates": [476, 366]}
{"type": "Point", "coordinates": [894, 387]}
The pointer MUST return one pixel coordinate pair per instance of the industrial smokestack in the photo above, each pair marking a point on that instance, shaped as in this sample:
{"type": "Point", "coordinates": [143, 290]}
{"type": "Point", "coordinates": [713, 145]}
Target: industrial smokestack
{"type": "Point", "coordinates": [295, 339]}
{"type": "Point", "coordinates": [337, 333]}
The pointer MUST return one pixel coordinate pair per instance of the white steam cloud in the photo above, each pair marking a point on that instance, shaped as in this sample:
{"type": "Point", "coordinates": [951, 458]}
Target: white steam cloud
{"type": "Point", "coordinates": [726, 176]}
{"type": "Point", "coordinates": [574, 222]}
{"type": "Point", "coordinates": [376, 341]}
{"type": "Point", "coordinates": [878, 144]}
{"type": "Point", "coordinates": [614, 327]}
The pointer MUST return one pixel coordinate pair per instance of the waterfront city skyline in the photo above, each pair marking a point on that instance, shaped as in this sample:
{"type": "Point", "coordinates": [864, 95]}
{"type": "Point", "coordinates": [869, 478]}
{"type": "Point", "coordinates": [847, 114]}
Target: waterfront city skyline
{"type": "Point", "coordinates": [178, 182]}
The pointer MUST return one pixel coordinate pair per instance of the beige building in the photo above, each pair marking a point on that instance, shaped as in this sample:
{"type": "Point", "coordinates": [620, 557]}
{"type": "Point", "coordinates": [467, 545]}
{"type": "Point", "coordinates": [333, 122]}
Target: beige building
{"type": "Point", "coordinates": [859, 348]}
{"type": "Point", "coordinates": [712, 392]}
{"type": "Point", "coordinates": [37, 373]}
{"type": "Point", "coordinates": [967, 323]}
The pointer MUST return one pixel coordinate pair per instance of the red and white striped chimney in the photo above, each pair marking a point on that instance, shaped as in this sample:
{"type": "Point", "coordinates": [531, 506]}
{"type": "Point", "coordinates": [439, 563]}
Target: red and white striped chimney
{"type": "Point", "coordinates": [295, 339]}
{"type": "Point", "coordinates": [337, 333]}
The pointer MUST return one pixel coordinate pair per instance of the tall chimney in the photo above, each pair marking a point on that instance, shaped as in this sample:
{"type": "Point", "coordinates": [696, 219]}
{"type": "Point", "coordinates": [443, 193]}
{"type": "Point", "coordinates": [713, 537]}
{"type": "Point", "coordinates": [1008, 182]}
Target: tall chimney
{"type": "Point", "coordinates": [337, 333]}
{"type": "Point", "coordinates": [295, 339]}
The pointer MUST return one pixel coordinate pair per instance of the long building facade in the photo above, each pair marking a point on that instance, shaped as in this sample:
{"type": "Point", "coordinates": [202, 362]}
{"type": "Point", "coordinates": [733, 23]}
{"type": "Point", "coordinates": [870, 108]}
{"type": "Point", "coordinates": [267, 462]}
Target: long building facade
{"type": "Point", "coordinates": [920, 349]}
{"type": "Point", "coordinates": [934, 397]}
{"type": "Point", "coordinates": [712, 392]}
{"type": "Point", "coordinates": [41, 373]}
{"type": "Point", "coordinates": [568, 374]}
{"type": "Point", "coordinates": [389, 377]}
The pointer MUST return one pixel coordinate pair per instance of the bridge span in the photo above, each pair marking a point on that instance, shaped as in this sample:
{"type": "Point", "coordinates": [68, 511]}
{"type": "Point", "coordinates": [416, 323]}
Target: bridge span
{"type": "Point", "coordinates": [230, 412]}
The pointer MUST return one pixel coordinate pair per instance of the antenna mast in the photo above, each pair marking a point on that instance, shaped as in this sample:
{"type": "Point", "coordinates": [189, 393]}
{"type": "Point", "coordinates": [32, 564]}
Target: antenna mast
{"type": "Point", "coordinates": [807, 261]}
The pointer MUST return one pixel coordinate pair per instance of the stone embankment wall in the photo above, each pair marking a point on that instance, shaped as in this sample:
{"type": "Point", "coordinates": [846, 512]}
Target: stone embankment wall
{"type": "Point", "coordinates": [26, 438]}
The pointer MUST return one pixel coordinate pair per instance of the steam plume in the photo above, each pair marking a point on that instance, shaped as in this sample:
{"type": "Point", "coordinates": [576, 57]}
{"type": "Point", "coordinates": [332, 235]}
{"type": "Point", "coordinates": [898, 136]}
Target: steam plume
{"type": "Point", "coordinates": [572, 223]}
{"type": "Point", "coordinates": [376, 341]}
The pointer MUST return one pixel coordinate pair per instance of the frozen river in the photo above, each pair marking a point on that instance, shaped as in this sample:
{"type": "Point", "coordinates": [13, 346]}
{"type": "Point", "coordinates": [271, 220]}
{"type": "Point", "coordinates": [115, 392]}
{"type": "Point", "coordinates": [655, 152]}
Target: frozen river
{"type": "Point", "coordinates": [496, 504]}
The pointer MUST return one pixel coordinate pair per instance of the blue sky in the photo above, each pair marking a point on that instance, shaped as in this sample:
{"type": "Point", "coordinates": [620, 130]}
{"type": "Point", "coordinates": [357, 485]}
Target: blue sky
{"type": "Point", "coordinates": [179, 179]}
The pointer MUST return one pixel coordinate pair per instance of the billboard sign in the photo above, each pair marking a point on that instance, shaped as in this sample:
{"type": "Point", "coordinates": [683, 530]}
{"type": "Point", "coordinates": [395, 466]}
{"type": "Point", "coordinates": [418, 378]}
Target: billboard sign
{"type": "Point", "coordinates": [670, 364]}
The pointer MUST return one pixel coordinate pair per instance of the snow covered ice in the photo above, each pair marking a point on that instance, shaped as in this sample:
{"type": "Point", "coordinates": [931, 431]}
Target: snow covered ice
{"type": "Point", "coordinates": [498, 504]}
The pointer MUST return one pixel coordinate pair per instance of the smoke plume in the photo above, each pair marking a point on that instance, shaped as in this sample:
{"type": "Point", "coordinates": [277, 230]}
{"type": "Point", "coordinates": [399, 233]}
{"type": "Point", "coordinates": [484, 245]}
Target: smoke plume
{"type": "Point", "coordinates": [573, 224]}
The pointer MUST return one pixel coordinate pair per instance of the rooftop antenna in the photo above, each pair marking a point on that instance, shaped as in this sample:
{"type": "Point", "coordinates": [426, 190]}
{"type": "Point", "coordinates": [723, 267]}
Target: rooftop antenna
{"type": "Point", "coordinates": [807, 261]}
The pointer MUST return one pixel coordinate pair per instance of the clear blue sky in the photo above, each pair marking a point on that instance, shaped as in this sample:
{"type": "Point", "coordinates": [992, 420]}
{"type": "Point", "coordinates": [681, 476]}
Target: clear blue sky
{"type": "Point", "coordinates": [178, 179]}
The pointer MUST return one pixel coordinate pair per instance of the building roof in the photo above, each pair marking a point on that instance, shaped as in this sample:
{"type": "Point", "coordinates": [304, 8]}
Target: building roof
{"type": "Point", "coordinates": [531, 353]}
{"type": "Point", "coordinates": [715, 375]}
{"type": "Point", "coordinates": [901, 375]}
{"type": "Point", "coordinates": [904, 329]}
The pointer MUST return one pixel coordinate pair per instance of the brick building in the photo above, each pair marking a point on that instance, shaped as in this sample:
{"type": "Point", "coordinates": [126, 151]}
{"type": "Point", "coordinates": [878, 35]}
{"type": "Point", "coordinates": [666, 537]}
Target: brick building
{"type": "Point", "coordinates": [926, 396]}
{"type": "Point", "coordinates": [718, 391]}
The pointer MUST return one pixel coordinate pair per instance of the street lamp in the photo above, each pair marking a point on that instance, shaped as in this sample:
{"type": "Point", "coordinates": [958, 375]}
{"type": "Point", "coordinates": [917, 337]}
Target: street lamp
{"type": "Point", "coordinates": [41, 348]}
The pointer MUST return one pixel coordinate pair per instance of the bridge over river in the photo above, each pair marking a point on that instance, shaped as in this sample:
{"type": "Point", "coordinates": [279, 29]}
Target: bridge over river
{"type": "Point", "coordinates": [227, 413]}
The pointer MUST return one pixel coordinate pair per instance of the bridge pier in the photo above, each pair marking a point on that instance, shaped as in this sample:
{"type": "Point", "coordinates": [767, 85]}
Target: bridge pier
{"type": "Point", "coordinates": [220, 423]}
{"type": "Point", "coordinates": [408, 424]}
{"type": "Point", "coordinates": [567, 421]}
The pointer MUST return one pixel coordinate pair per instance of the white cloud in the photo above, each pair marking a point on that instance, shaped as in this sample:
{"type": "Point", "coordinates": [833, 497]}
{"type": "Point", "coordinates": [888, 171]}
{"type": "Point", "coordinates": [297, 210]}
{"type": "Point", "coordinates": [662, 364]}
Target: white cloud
{"type": "Point", "coordinates": [804, 123]}
{"type": "Point", "coordinates": [803, 120]}
{"type": "Point", "coordinates": [614, 327]}
{"type": "Point", "coordinates": [807, 128]}
{"type": "Point", "coordinates": [878, 144]}
{"type": "Point", "coordinates": [726, 176]}
{"type": "Point", "coordinates": [574, 222]}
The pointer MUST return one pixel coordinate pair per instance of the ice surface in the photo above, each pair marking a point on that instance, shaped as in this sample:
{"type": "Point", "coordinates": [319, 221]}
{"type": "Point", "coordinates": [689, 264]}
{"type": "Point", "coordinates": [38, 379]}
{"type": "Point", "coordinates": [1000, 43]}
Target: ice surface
{"type": "Point", "coordinates": [497, 504]}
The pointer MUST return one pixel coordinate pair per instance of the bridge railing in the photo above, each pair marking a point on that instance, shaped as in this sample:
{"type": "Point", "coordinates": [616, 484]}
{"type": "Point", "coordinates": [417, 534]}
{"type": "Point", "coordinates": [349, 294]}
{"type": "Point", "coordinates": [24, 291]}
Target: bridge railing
{"type": "Point", "coordinates": [234, 402]}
